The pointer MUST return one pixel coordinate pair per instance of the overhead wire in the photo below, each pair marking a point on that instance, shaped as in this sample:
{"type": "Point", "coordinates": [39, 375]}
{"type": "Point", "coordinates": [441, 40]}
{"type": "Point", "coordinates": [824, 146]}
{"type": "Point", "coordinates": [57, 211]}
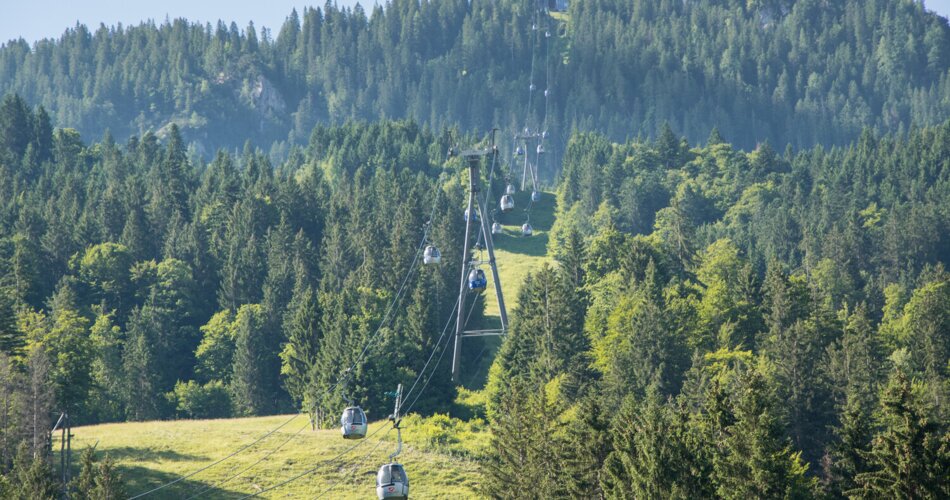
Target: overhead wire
{"type": "Point", "coordinates": [362, 461]}
{"type": "Point", "coordinates": [314, 469]}
{"type": "Point", "coordinates": [386, 317]}
{"type": "Point", "coordinates": [219, 484]}
{"type": "Point", "coordinates": [234, 453]}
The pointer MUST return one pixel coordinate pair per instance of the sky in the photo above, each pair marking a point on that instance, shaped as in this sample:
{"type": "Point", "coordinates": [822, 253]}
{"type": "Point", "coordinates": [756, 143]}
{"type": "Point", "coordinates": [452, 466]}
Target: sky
{"type": "Point", "coordinates": [36, 19]}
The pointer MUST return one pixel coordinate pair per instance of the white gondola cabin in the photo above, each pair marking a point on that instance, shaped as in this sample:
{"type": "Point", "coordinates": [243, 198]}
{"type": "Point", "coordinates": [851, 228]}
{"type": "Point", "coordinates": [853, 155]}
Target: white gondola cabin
{"type": "Point", "coordinates": [353, 423]}
{"type": "Point", "coordinates": [507, 203]}
{"type": "Point", "coordinates": [496, 228]}
{"type": "Point", "coordinates": [526, 229]}
{"type": "Point", "coordinates": [392, 482]}
{"type": "Point", "coordinates": [535, 196]}
{"type": "Point", "coordinates": [431, 255]}
{"type": "Point", "coordinates": [511, 189]}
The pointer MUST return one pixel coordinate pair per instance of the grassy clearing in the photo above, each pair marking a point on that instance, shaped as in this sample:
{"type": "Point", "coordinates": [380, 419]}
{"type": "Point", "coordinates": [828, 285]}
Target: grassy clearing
{"type": "Point", "coordinates": [152, 453]}
{"type": "Point", "coordinates": [439, 453]}
{"type": "Point", "coordinates": [517, 256]}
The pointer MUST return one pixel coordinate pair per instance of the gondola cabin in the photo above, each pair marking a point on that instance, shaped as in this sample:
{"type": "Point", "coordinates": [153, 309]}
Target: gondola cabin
{"type": "Point", "coordinates": [477, 218]}
{"type": "Point", "coordinates": [519, 151]}
{"type": "Point", "coordinates": [535, 196]}
{"type": "Point", "coordinates": [431, 255]}
{"type": "Point", "coordinates": [392, 482]}
{"type": "Point", "coordinates": [507, 203]}
{"type": "Point", "coordinates": [476, 280]}
{"type": "Point", "coordinates": [496, 228]}
{"type": "Point", "coordinates": [511, 189]}
{"type": "Point", "coordinates": [353, 423]}
{"type": "Point", "coordinates": [526, 229]}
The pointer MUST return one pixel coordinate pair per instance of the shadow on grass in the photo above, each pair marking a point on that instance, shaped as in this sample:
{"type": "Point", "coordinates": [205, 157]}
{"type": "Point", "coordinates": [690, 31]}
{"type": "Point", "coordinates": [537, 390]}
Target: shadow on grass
{"type": "Point", "coordinates": [130, 454]}
{"type": "Point", "coordinates": [139, 479]}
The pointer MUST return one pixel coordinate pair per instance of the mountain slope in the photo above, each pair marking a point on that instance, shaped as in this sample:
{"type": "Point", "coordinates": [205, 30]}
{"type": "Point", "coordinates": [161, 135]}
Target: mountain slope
{"type": "Point", "coordinates": [149, 454]}
{"type": "Point", "coordinates": [800, 72]}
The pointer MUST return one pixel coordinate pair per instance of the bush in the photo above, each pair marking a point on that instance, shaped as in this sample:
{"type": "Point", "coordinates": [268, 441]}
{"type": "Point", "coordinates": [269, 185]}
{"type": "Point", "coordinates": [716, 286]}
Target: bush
{"type": "Point", "coordinates": [192, 400]}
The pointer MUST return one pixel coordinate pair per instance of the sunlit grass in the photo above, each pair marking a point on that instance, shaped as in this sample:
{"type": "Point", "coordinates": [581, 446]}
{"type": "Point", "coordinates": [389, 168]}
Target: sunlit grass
{"type": "Point", "coordinates": [149, 454]}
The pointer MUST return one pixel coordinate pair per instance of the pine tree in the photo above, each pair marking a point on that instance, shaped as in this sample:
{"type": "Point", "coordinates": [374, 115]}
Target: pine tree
{"type": "Point", "coordinates": [302, 329]}
{"type": "Point", "coordinates": [38, 396]}
{"type": "Point", "coordinates": [651, 457]}
{"type": "Point", "coordinates": [142, 390]}
{"type": "Point", "coordinates": [527, 455]}
{"type": "Point", "coordinates": [83, 485]}
{"type": "Point", "coordinates": [847, 455]}
{"type": "Point", "coordinates": [11, 339]}
{"type": "Point", "coordinates": [32, 476]}
{"type": "Point", "coordinates": [588, 445]}
{"type": "Point", "coordinates": [755, 459]}
{"type": "Point", "coordinates": [910, 455]}
{"type": "Point", "coordinates": [254, 386]}
{"type": "Point", "coordinates": [109, 484]}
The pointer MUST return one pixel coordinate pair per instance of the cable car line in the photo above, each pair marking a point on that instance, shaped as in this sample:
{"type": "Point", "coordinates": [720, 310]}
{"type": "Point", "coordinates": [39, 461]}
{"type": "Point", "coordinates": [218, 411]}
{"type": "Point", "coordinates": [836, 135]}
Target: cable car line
{"type": "Point", "coordinates": [314, 469]}
{"type": "Point", "coordinates": [239, 450]}
{"type": "Point", "coordinates": [228, 479]}
{"type": "Point", "coordinates": [362, 461]}
{"type": "Point", "coordinates": [435, 346]}
{"type": "Point", "coordinates": [421, 372]}
{"type": "Point", "coordinates": [386, 319]}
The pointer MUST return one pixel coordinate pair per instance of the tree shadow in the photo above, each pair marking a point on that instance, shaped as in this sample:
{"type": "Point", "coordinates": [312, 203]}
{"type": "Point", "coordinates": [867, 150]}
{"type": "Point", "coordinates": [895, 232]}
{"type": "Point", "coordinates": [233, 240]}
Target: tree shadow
{"type": "Point", "coordinates": [133, 454]}
{"type": "Point", "coordinates": [138, 479]}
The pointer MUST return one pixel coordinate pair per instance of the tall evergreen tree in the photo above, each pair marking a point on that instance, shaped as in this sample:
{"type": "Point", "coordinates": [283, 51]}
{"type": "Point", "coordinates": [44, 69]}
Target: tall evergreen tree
{"type": "Point", "coordinates": [910, 456]}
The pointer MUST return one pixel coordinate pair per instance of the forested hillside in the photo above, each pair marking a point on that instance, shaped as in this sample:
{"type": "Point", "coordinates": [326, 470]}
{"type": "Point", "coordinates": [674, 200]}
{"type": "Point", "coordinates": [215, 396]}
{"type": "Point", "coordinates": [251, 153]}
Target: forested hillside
{"type": "Point", "coordinates": [735, 324]}
{"type": "Point", "coordinates": [738, 287]}
{"type": "Point", "coordinates": [791, 72]}
{"type": "Point", "coordinates": [718, 323]}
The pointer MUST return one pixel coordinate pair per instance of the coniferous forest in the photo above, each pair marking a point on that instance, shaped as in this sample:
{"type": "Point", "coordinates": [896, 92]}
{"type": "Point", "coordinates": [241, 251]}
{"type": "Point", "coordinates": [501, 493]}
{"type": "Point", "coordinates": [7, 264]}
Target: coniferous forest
{"type": "Point", "coordinates": [745, 291]}
{"type": "Point", "coordinates": [800, 72]}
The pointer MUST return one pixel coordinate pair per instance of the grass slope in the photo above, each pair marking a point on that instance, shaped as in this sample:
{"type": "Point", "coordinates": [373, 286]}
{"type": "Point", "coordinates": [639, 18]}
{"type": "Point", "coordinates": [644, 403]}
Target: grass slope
{"type": "Point", "coordinates": [516, 256]}
{"type": "Point", "coordinates": [149, 454]}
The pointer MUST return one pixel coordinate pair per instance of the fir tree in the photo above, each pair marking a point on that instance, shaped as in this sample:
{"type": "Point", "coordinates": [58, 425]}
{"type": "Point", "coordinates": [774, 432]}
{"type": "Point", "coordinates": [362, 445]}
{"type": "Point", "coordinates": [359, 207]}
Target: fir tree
{"type": "Point", "coordinates": [910, 455]}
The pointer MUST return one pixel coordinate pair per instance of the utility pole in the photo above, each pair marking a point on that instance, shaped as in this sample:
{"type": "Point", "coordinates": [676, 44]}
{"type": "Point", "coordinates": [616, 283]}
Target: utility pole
{"type": "Point", "coordinates": [474, 158]}
{"type": "Point", "coordinates": [65, 448]}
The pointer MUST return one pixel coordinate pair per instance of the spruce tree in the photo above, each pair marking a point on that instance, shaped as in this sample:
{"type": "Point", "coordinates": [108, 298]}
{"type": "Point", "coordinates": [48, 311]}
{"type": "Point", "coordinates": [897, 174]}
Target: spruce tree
{"type": "Point", "coordinates": [302, 329]}
{"type": "Point", "coordinates": [910, 455]}
{"type": "Point", "coordinates": [254, 383]}
{"type": "Point", "coordinates": [754, 458]}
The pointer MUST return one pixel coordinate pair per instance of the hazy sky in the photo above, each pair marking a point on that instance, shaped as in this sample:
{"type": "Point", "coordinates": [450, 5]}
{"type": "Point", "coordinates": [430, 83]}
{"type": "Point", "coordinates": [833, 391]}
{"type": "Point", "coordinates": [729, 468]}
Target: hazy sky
{"type": "Point", "coordinates": [36, 19]}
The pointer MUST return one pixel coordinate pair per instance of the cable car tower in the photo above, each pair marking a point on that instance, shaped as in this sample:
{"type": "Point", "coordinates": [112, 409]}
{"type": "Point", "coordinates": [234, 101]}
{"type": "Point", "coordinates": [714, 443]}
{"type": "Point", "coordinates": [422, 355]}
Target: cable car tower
{"type": "Point", "coordinates": [472, 275]}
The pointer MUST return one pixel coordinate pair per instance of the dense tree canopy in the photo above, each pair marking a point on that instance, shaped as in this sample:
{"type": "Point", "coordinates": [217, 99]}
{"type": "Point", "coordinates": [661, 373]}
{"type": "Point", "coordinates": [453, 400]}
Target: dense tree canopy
{"type": "Point", "coordinates": [787, 71]}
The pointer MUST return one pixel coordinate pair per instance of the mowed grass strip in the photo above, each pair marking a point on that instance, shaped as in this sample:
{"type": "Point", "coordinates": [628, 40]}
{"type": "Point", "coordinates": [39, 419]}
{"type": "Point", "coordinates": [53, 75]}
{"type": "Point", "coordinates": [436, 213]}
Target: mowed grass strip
{"type": "Point", "coordinates": [149, 454]}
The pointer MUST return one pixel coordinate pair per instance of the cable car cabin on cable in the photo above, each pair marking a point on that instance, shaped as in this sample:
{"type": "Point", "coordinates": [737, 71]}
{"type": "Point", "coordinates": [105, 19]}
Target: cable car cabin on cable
{"type": "Point", "coordinates": [353, 423]}
{"type": "Point", "coordinates": [535, 196]}
{"type": "Point", "coordinates": [526, 229]}
{"type": "Point", "coordinates": [496, 228]}
{"type": "Point", "coordinates": [476, 280]}
{"type": "Point", "coordinates": [511, 189]}
{"type": "Point", "coordinates": [507, 203]}
{"type": "Point", "coordinates": [392, 482]}
{"type": "Point", "coordinates": [519, 151]}
{"type": "Point", "coordinates": [477, 218]}
{"type": "Point", "coordinates": [431, 255]}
